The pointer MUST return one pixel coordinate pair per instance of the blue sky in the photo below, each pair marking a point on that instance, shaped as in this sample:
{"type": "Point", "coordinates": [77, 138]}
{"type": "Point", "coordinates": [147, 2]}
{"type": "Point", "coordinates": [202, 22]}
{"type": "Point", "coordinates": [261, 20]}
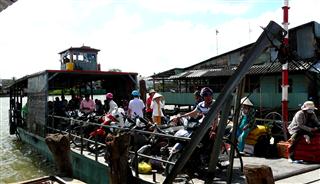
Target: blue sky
{"type": "Point", "coordinates": [143, 36]}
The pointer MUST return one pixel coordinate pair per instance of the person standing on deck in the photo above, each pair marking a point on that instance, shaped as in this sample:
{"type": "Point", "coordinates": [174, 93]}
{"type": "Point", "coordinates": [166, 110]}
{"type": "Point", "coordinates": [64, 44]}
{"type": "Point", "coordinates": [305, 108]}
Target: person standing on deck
{"type": "Point", "coordinates": [87, 105]}
{"type": "Point", "coordinates": [136, 105]}
{"type": "Point", "coordinates": [73, 103]}
{"type": "Point", "coordinates": [200, 111]}
{"type": "Point", "coordinates": [304, 123]}
{"type": "Point", "coordinates": [157, 105]}
{"type": "Point", "coordinates": [24, 113]}
{"type": "Point", "coordinates": [112, 104]}
{"type": "Point", "coordinates": [246, 122]}
{"type": "Point", "coordinates": [204, 106]}
{"type": "Point", "coordinates": [148, 104]}
{"type": "Point", "coordinates": [64, 103]}
{"type": "Point", "coordinates": [99, 107]}
{"type": "Point", "coordinates": [197, 98]}
{"type": "Point", "coordinates": [58, 107]}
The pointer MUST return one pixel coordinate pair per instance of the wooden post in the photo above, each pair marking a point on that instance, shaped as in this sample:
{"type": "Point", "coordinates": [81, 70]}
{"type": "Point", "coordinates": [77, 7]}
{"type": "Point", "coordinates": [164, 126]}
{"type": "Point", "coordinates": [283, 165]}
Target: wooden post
{"type": "Point", "coordinates": [258, 174]}
{"type": "Point", "coordinates": [59, 146]}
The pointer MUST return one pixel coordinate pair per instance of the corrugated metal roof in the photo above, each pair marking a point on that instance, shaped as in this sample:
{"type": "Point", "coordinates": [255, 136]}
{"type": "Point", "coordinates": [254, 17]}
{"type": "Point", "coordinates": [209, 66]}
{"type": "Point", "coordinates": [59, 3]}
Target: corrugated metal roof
{"type": "Point", "coordinates": [197, 73]}
{"type": "Point", "coordinates": [167, 73]}
{"type": "Point", "coordinates": [277, 67]}
{"type": "Point", "coordinates": [5, 3]}
{"type": "Point", "coordinates": [316, 67]}
{"type": "Point", "coordinates": [181, 75]}
{"type": "Point", "coordinates": [254, 70]}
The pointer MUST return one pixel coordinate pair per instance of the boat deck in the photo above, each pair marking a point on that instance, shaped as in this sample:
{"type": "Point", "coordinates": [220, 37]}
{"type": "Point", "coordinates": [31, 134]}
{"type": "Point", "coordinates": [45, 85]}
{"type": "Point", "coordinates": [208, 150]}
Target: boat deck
{"type": "Point", "coordinates": [159, 177]}
{"type": "Point", "coordinates": [281, 169]}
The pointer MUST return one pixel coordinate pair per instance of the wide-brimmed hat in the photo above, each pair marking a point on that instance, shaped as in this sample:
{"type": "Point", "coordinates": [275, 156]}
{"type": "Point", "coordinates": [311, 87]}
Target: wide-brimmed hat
{"type": "Point", "coordinates": [157, 95]}
{"type": "Point", "coordinates": [152, 91]}
{"type": "Point", "coordinates": [308, 105]}
{"type": "Point", "coordinates": [246, 101]}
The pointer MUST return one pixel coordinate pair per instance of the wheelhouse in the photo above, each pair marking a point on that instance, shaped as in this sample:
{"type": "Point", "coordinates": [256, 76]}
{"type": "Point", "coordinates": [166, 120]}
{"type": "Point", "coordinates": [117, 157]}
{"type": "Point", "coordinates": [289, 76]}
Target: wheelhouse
{"type": "Point", "coordinates": [34, 91]}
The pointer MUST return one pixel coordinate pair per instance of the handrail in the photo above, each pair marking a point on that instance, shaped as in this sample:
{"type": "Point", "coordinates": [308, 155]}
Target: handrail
{"type": "Point", "coordinates": [81, 122]}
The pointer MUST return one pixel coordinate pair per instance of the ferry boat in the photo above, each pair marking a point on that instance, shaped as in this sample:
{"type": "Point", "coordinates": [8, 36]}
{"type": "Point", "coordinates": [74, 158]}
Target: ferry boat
{"type": "Point", "coordinates": [81, 73]}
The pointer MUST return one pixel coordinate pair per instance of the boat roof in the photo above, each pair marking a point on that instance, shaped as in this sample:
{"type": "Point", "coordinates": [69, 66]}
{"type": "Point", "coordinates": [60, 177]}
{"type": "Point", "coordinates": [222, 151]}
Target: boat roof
{"type": "Point", "coordinates": [75, 75]}
{"type": "Point", "coordinates": [81, 49]}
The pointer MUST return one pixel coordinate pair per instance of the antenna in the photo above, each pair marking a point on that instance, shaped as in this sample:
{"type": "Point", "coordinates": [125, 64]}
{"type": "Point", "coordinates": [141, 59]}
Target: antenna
{"type": "Point", "coordinates": [250, 30]}
{"type": "Point", "coordinates": [217, 40]}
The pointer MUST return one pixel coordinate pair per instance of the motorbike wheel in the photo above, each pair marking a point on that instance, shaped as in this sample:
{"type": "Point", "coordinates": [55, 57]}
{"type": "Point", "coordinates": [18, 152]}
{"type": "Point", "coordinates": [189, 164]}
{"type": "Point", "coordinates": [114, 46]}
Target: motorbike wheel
{"type": "Point", "coordinates": [226, 150]}
{"type": "Point", "coordinates": [172, 158]}
{"type": "Point", "coordinates": [93, 148]}
{"type": "Point", "coordinates": [75, 136]}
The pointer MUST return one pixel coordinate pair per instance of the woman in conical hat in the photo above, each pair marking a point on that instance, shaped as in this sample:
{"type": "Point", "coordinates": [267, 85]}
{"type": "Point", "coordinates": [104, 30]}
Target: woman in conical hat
{"type": "Point", "coordinates": [246, 121]}
{"type": "Point", "coordinates": [157, 105]}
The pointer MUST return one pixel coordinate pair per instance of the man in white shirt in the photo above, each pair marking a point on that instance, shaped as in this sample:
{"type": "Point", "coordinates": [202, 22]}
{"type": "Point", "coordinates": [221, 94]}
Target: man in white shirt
{"type": "Point", "coordinates": [136, 105]}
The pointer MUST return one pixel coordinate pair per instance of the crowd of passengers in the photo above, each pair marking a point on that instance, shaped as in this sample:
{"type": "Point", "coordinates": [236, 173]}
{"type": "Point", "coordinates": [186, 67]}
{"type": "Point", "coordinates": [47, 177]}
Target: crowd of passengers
{"type": "Point", "coordinates": [152, 109]}
{"type": "Point", "coordinates": [86, 105]}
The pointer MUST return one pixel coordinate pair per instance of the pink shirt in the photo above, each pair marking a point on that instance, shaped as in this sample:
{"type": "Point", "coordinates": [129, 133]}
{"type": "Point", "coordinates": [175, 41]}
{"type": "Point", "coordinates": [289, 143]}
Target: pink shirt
{"type": "Point", "coordinates": [87, 105]}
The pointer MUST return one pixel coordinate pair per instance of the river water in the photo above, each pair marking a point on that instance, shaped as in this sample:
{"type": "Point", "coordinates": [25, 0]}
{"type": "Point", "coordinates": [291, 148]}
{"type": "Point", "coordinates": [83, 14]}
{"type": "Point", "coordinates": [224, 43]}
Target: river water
{"type": "Point", "coordinates": [18, 161]}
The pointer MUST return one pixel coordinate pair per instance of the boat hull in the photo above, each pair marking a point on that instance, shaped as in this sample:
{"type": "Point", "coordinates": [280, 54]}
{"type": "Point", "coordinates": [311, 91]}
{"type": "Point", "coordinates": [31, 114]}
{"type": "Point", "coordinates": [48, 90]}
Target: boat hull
{"type": "Point", "coordinates": [84, 169]}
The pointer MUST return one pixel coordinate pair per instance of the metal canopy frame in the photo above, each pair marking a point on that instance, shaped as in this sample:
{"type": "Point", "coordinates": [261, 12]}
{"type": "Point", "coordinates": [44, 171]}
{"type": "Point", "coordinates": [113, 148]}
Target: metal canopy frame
{"type": "Point", "coordinates": [271, 36]}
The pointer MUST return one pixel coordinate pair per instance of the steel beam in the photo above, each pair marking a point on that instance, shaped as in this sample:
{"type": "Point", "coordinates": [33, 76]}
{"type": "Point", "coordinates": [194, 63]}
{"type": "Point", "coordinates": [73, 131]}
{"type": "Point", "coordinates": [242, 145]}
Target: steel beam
{"type": "Point", "coordinates": [218, 140]}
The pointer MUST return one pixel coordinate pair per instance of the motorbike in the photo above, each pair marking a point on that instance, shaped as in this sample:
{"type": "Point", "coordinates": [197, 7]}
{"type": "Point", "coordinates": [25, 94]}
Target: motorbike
{"type": "Point", "coordinates": [156, 146]}
{"type": "Point", "coordinates": [112, 124]}
{"type": "Point", "coordinates": [80, 127]}
{"type": "Point", "coordinates": [198, 163]}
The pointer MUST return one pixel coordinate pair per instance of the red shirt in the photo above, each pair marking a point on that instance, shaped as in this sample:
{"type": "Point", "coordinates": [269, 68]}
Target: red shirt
{"type": "Point", "coordinates": [148, 104]}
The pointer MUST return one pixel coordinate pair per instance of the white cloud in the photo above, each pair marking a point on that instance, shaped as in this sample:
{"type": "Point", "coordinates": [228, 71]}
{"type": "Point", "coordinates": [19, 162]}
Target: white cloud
{"type": "Point", "coordinates": [181, 7]}
{"type": "Point", "coordinates": [33, 32]}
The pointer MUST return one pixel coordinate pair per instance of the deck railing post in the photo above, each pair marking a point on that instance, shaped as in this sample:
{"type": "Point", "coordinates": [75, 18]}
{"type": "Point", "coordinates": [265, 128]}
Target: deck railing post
{"type": "Point", "coordinates": [96, 146]}
{"type": "Point", "coordinates": [81, 138]}
{"type": "Point", "coordinates": [52, 116]}
{"type": "Point", "coordinates": [136, 163]}
{"type": "Point", "coordinates": [218, 140]}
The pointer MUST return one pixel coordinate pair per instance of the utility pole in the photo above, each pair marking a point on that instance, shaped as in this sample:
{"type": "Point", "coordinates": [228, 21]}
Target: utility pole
{"type": "Point", "coordinates": [285, 77]}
